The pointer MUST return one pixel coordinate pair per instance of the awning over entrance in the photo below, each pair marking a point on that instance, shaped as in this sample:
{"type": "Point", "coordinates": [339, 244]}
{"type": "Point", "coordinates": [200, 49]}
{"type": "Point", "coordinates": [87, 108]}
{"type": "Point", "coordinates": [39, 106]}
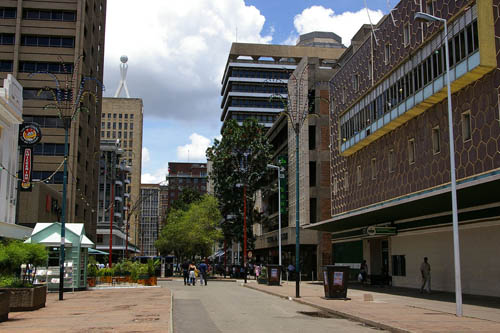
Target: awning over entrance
{"type": "Point", "coordinates": [94, 251]}
{"type": "Point", "coordinates": [472, 192]}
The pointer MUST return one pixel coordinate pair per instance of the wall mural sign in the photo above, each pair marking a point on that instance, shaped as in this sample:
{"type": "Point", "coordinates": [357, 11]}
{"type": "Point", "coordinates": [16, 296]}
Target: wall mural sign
{"type": "Point", "coordinates": [29, 135]}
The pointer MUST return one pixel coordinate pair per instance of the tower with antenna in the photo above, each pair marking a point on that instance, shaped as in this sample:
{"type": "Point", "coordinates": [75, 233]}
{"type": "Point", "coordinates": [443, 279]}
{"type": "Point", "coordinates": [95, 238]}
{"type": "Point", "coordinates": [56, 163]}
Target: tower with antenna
{"type": "Point", "coordinates": [123, 79]}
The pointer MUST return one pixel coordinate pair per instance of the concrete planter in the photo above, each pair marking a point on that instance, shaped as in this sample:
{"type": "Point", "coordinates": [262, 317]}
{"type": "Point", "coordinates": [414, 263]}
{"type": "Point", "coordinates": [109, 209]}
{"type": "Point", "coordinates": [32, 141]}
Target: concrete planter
{"type": "Point", "coordinates": [4, 305]}
{"type": "Point", "coordinates": [26, 299]}
{"type": "Point", "coordinates": [91, 281]}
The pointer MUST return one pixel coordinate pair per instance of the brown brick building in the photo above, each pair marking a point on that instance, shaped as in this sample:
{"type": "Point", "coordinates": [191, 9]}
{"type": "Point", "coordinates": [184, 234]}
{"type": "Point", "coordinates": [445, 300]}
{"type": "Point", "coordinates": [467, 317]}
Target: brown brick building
{"type": "Point", "coordinates": [390, 154]}
{"type": "Point", "coordinates": [183, 175]}
{"type": "Point", "coordinates": [36, 37]}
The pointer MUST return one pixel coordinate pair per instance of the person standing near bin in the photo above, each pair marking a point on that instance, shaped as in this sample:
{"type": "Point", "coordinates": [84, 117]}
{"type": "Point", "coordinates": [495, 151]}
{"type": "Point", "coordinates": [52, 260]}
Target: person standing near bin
{"type": "Point", "coordinates": [363, 270]}
{"type": "Point", "coordinates": [203, 273]}
{"type": "Point", "coordinates": [185, 272]}
{"type": "Point", "coordinates": [425, 270]}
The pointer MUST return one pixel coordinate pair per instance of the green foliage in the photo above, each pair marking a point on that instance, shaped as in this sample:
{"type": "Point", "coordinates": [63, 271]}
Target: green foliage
{"type": "Point", "coordinates": [9, 281]}
{"type": "Point", "coordinates": [16, 253]}
{"type": "Point", "coordinates": [143, 271]}
{"type": "Point", "coordinates": [91, 270]}
{"type": "Point", "coordinates": [226, 156]}
{"type": "Point", "coordinates": [192, 231]}
{"type": "Point", "coordinates": [186, 198]}
{"type": "Point", "coordinates": [263, 275]}
{"type": "Point", "coordinates": [152, 266]}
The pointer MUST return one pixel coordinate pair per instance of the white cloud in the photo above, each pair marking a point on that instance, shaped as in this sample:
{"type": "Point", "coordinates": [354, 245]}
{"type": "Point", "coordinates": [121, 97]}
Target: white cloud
{"type": "Point", "coordinates": [319, 18]}
{"type": "Point", "coordinates": [156, 177]}
{"type": "Point", "coordinates": [177, 52]}
{"type": "Point", "coordinates": [194, 151]}
{"type": "Point", "coordinates": [145, 155]}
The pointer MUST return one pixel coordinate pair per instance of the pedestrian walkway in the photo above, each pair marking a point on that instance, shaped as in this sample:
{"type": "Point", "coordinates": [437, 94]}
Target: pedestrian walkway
{"type": "Point", "coordinates": [145, 309]}
{"type": "Point", "coordinates": [396, 311]}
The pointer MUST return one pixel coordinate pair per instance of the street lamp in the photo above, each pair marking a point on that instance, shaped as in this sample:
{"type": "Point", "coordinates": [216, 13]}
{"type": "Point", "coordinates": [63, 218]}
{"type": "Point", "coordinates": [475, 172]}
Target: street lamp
{"type": "Point", "coordinates": [419, 16]}
{"type": "Point", "coordinates": [68, 103]}
{"type": "Point", "coordinates": [270, 166]}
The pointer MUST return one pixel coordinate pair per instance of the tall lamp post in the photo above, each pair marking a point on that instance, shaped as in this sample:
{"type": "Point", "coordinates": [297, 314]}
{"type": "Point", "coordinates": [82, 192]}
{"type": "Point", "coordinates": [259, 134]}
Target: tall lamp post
{"type": "Point", "coordinates": [243, 167]}
{"type": "Point", "coordinates": [297, 111]}
{"type": "Point", "coordinates": [419, 16]}
{"type": "Point", "coordinates": [271, 166]}
{"type": "Point", "coordinates": [67, 100]}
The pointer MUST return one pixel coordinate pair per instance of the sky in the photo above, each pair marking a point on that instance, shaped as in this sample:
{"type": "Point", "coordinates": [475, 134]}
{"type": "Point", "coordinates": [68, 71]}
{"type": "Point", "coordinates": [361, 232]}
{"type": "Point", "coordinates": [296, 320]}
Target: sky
{"type": "Point", "coordinates": [177, 51]}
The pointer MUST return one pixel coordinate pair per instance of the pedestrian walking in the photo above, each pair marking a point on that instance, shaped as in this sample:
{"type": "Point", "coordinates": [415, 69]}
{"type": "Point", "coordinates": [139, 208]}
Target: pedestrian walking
{"type": "Point", "coordinates": [363, 271]}
{"type": "Point", "coordinates": [203, 273]}
{"type": "Point", "coordinates": [425, 270]}
{"type": "Point", "coordinates": [185, 272]}
{"type": "Point", "coordinates": [192, 275]}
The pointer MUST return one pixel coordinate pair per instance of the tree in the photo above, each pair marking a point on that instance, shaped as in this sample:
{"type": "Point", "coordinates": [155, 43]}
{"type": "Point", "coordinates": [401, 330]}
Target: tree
{"type": "Point", "coordinates": [241, 157]}
{"type": "Point", "coordinates": [187, 197]}
{"type": "Point", "coordinates": [192, 231]}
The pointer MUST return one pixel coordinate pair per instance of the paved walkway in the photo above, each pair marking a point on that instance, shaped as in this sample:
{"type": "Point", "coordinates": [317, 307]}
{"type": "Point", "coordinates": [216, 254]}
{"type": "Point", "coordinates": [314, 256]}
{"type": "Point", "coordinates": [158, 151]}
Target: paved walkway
{"type": "Point", "coordinates": [114, 310]}
{"type": "Point", "coordinates": [393, 311]}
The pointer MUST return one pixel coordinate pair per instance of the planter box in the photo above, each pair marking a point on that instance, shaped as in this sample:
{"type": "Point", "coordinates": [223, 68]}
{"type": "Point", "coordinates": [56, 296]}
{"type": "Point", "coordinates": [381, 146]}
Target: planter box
{"type": "Point", "coordinates": [26, 299]}
{"type": "Point", "coordinates": [153, 281]}
{"type": "Point", "coordinates": [91, 281]}
{"type": "Point", "coordinates": [4, 306]}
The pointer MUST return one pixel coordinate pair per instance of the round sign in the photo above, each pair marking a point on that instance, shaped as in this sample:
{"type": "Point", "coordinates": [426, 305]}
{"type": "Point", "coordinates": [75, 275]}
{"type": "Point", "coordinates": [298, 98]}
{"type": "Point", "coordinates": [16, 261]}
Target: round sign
{"type": "Point", "coordinates": [249, 254]}
{"type": "Point", "coordinates": [29, 134]}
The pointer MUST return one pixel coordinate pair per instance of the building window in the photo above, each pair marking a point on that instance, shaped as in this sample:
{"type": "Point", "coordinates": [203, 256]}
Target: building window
{"type": "Point", "coordinates": [5, 65]}
{"type": "Point", "coordinates": [7, 39]}
{"type": "Point", "coordinates": [109, 125]}
{"type": "Point", "coordinates": [132, 116]}
{"type": "Point", "coordinates": [108, 134]}
{"type": "Point", "coordinates": [466, 126]}
{"type": "Point", "coordinates": [373, 167]}
{"type": "Point", "coordinates": [99, 239]}
{"type": "Point", "coordinates": [355, 82]}
{"type": "Point", "coordinates": [48, 41]}
{"type": "Point", "coordinates": [346, 180]}
{"type": "Point", "coordinates": [125, 126]}
{"type": "Point", "coordinates": [126, 115]}
{"type": "Point", "coordinates": [131, 126]}
{"type": "Point", "coordinates": [387, 53]}
{"type": "Point", "coordinates": [411, 151]}
{"type": "Point", "coordinates": [312, 210]}
{"type": "Point", "coordinates": [436, 138]}
{"type": "Point", "coordinates": [51, 67]}
{"type": "Point", "coordinates": [358, 174]}
{"type": "Point", "coordinates": [8, 13]}
{"type": "Point", "coordinates": [398, 265]}
{"type": "Point", "coordinates": [312, 137]}
{"type": "Point", "coordinates": [312, 173]}
{"type": "Point", "coordinates": [429, 9]}
{"type": "Point", "coordinates": [49, 15]}
{"type": "Point", "coordinates": [390, 160]}
{"type": "Point", "coordinates": [335, 186]}
{"type": "Point", "coordinates": [406, 34]}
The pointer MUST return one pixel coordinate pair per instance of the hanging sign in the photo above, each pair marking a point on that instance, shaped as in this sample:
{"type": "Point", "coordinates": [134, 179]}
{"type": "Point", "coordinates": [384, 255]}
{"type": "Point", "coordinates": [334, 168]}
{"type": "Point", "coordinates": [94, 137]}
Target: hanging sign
{"type": "Point", "coordinates": [26, 174]}
{"type": "Point", "coordinates": [29, 134]}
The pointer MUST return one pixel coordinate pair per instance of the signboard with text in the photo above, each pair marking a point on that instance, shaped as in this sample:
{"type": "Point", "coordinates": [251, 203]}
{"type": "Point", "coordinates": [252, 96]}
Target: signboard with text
{"type": "Point", "coordinates": [26, 172]}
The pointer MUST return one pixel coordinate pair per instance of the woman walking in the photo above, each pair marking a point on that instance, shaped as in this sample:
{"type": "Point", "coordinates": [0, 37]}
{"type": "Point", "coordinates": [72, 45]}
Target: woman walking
{"type": "Point", "coordinates": [192, 276]}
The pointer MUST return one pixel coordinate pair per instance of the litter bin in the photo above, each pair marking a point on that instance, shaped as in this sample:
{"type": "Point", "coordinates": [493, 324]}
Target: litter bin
{"type": "Point", "coordinates": [335, 281]}
{"type": "Point", "coordinates": [273, 275]}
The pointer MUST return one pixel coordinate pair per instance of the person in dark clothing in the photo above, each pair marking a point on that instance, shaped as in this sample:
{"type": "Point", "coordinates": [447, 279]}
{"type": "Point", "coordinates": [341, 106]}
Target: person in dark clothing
{"type": "Point", "coordinates": [185, 272]}
{"type": "Point", "coordinates": [203, 271]}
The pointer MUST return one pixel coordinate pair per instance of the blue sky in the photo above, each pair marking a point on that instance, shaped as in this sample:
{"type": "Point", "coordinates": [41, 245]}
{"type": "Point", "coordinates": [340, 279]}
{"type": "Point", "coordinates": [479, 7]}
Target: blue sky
{"type": "Point", "coordinates": [177, 52]}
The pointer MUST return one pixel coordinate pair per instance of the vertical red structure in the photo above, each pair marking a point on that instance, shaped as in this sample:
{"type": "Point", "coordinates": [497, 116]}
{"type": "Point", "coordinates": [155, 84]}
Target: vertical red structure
{"type": "Point", "coordinates": [111, 213]}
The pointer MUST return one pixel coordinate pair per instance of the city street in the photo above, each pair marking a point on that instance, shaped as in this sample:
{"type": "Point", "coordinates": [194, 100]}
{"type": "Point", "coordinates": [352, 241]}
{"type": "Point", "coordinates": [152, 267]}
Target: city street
{"type": "Point", "coordinates": [228, 307]}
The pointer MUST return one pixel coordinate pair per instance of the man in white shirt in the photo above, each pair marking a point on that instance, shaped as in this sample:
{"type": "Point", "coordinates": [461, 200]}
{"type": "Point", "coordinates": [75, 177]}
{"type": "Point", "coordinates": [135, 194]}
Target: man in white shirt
{"type": "Point", "coordinates": [425, 270]}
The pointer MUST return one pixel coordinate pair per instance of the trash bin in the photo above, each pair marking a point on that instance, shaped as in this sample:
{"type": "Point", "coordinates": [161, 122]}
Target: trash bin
{"type": "Point", "coordinates": [273, 275]}
{"type": "Point", "coordinates": [335, 281]}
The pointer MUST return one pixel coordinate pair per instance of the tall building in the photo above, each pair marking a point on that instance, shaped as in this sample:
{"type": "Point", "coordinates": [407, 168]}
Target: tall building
{"type": "Point", "coordinates": [315, 247]}
{"type": "Point", "coordinates": [35, 37]}
{"type": "Point", "coordinates": [150, 218]}
{"type": "Point", "coordinates": [185, 175]}
{"type": "Point", "coordinates": [122, 120]}
{"type": "Point", "coordinates": [390, 152]}
{"type": "Point", "coordinates": [255, 73]}
{"type": "Point", "coordinates": [112, 200]}
{"type": "Point", "coordinates": [163, 204]}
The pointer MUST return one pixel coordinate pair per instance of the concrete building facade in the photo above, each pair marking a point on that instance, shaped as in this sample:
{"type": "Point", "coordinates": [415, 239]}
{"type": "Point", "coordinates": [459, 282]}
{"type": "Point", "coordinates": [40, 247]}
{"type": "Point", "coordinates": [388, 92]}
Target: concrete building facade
{"type": "Point", "coordinates": [11, 108]}
{"type": "Point", "coordinates": [150, 218]}
{"type": "Point", "coordinates": [256, 75]}
{"type": "Point", "coordinates": [112, 200]}
{"type": "Point", "coordinates": [390, 162]}
{"type": "Point", "coordinates": [122, 119]}
{"type": "Point", "coordinates": [35, 37]}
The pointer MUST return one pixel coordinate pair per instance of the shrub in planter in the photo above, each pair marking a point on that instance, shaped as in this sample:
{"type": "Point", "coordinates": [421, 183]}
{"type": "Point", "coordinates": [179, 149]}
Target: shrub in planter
{"type": "Point", "coordinates": [23, 295]}
{"type": "Point", "coordinates": [142, 274]}
{"type": "Point", "coordinates": [91, 272]}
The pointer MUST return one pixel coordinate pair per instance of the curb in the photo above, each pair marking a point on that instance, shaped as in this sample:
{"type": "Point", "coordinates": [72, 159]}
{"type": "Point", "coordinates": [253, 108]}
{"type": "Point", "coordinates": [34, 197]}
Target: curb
{"type": "Point", "coordinates": [336, 312]}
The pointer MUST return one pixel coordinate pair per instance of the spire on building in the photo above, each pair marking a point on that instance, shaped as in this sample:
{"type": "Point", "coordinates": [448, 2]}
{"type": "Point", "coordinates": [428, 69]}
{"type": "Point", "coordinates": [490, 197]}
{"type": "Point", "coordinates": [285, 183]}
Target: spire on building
{"type": "Point", "coordinates": [123, 80]}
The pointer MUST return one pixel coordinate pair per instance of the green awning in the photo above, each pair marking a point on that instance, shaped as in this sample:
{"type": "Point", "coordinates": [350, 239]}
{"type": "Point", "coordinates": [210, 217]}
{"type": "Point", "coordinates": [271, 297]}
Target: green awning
{"type": "Point", "coordinates": [94, 251]}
